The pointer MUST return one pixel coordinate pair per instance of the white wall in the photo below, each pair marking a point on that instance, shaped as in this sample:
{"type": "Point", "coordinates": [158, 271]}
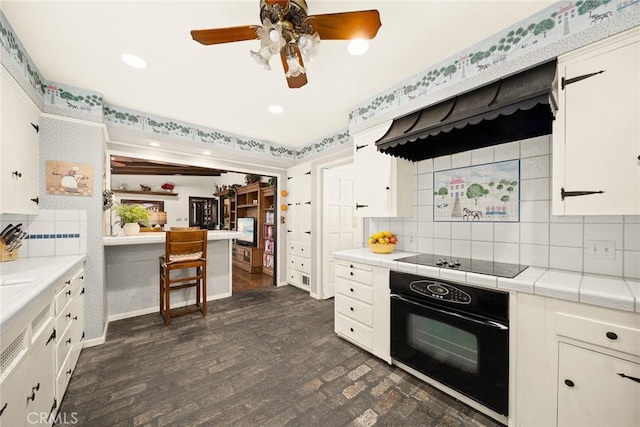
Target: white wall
{"type": "Point", "coordinates": [177, 207]}
{"type": "Point", "coordinates": [539, 239]}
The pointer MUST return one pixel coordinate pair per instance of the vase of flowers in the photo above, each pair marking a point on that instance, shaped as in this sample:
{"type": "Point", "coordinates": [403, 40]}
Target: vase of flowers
{"type": "Point", "coordinates": [131, 216]}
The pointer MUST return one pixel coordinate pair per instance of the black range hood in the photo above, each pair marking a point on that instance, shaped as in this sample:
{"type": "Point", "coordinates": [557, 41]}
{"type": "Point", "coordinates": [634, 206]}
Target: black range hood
{"type": "Point", "coordinates": [513, 108]}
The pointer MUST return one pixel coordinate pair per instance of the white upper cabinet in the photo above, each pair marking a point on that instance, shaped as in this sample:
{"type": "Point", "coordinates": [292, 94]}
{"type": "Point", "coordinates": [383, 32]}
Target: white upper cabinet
{"type": "Point", "coordinates": [384, 184]}
{"type": "Point", "coordinates": [18, 150]}
{"type": "Point", "coordinates": [596, 134]}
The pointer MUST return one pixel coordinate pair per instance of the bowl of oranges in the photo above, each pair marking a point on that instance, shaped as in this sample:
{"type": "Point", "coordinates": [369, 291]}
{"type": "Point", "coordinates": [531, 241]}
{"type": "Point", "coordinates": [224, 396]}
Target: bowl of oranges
{"type": "Point", "coordinates": [382, 242]}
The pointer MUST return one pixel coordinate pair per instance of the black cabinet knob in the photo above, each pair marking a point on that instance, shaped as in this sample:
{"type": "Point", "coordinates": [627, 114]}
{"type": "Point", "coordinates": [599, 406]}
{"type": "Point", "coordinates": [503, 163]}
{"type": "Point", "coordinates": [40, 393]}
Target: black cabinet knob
{"type": "Point", "coordinates": [569, 383]}
{"type": "Point", "coordinates": [612, 335]}
{"type": "Point", "coordinates": [351, 308]}
{"type": "Point", "coordinates": [351, 329]}
{"type": "Point", "coordinates": [36, 200]}
{"type": "Point", "coordinates": [387, 188]}
{"type": "Point", "coordinates": [351, 289]}
{"type": "Point", "coordinates": [351, 273]}
{"type": "Point", "coordinates": [68, 292]}
{"type": "Point", "coordinates": [16, 174]}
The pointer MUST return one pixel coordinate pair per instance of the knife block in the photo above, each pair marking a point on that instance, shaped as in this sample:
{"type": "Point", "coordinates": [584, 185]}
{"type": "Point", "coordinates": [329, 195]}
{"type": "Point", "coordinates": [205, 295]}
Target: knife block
{"type": "Point", "coordinates": [6, 255]}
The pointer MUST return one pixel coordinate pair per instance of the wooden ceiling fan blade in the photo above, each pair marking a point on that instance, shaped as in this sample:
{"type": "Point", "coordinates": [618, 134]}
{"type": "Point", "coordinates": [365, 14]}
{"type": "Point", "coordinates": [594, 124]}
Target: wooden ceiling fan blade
{"type": "Point", "coordinates": [362, 24]}
{"type": "Point", "coordinates": [225, 35]}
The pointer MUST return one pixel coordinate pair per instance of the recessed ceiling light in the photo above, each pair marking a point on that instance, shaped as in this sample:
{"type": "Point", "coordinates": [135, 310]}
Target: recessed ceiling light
{"type": "Point", "coordinates": [154, 144]}
{"type": "Point", "coordinates": [133, 61]}
{"type": "Point", "coordinates": [275, 109]}
{"type": "Point", "coordinates": [206, 153]}
{"type": "Point", "coordinates": [358, 46]}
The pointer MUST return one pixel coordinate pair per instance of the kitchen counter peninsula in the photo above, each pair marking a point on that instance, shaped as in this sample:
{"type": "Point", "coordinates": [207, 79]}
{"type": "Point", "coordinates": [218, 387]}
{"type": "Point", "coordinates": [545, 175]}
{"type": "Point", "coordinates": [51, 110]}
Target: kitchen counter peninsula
{"type": "Point", "coordinates": [132, 272]}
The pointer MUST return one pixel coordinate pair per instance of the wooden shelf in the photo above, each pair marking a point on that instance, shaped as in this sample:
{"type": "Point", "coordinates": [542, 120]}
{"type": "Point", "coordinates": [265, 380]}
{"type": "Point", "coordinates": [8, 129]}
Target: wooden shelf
{"type": "Point", "coordinates": [149, 193]}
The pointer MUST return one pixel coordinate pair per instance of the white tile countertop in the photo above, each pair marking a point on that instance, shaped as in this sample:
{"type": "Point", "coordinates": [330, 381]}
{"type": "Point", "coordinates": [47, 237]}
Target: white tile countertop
{"type": "Point", "coordinates": [28, 282]}
{"type": "Point", "coordinates": [159, 237]}
{"type": "Point", "coordinates": [605, 291]}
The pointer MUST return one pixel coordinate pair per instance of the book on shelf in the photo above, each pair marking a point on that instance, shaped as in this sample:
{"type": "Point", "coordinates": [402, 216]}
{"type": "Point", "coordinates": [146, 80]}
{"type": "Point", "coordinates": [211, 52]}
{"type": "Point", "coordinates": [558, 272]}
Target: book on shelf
{"type": "Point", "coordinates": [269, 217]}
{"type": "Point", "coordinates": [267, 260]}
{"type": "Point", "coordinates": [268, 231]}
{"type": "Point", "coordinates": [269, 246]}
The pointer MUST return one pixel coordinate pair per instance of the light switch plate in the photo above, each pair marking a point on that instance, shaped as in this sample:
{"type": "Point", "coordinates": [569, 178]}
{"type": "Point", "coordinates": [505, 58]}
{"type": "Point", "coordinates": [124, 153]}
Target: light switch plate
{"type": "Point", "coordinates": [601, 249]}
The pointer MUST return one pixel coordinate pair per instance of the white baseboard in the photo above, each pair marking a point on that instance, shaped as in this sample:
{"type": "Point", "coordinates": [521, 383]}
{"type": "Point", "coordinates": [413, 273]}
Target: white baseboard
{"type": "Point", "coordinates": [156, 309]}
{"type": "Point", "coordinates": [97, 341]}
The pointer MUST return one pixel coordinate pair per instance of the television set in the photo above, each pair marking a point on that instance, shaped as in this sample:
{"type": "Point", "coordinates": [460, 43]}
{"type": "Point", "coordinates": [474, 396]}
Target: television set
{"type": "Point", "coordinates": [248, 231]}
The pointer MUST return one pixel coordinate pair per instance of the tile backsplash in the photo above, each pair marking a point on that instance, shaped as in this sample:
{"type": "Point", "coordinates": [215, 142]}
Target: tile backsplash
{"type": "Point", "coordinates": [51, 232]}
{"type": "Point", "coordinates": [540, 239]}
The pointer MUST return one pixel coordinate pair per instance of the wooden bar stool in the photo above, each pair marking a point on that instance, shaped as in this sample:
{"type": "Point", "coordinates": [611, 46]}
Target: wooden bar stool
{"type": "Point", "coordinates": [183, 250]}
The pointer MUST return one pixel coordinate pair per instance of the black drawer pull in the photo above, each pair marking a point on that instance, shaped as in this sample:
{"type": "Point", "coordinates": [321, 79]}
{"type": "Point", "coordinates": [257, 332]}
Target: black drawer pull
{"type": "Point", "coordinates": [16, 173]}
{"type": "Point", "coordinates": [32, 397]}
{"type": "Point", "coordinates": [569, 383]}
{"type": "Point", "coordinates": [351, 308]}
{"type": "Point", "coordinates": [68, 315]}
{"type": "Point", "coordinates": [612, 335]}
{"type": "Point", "coordinates": [68, 293]}
{"type": "Point", "coordinates": [359, 147]}
{"type": "Point", "coordinates": [75, 317]}
{"type": "Point", "coordinates": [351, 273]}
{"type": "Point", "coordinates": [36, 388]}
{"type": "Point", "coordinates": [351, 289]}
{"type": "Point", "coordinates": [82, 292]}
{"type": "Point", "coordinates": [69, 372]}
{"type": "Point", "coordinates": [3, 408]}
{"type": "Point", "coordinates": [351, 329]}
{"type": "Point", "coordinates": [350, 265]}
{"type": "Point", "coordinates": [358, 206]}
{"type": "Point", "coordinates": [69, 341]}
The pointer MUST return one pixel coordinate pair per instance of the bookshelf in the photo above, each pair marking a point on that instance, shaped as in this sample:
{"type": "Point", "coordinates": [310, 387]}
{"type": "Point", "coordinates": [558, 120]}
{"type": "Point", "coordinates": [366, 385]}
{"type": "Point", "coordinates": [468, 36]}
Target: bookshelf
{"type": "Point", "coordinates": [268, 230]}
{"type": "Point", "coordinates": [248, 203]}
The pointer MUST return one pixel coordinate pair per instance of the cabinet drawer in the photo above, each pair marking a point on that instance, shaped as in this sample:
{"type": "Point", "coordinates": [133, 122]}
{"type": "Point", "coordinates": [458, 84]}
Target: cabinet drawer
{"type": "Point", "coordinates": [300, 249]}
{"type": "Point", "coordinates": [355, 331]}
{"type": "Point", "coordinates": [64, 376]}
{"type": "Point", "coordinates": [355, 290]}
{"type": "Point", "coordinates": [64, 296]}
{"type": "Point", "coordinates": [358, 272]}
{"type": "Point", "coordinates": [297, 277]}
{"type": "Point", "coordinates": [299, 263]}
{"type": "Point", "coordinates": [354, 309]}
{"type": "Point", "coordinates": [64, 344]}
{"type": "Point", "coordinates": [616, 337]}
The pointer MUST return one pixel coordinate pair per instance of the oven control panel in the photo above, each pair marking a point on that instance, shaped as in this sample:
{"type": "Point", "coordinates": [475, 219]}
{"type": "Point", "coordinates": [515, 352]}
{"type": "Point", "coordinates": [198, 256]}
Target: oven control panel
{"type": "Point", "coordinates": [440, 291]}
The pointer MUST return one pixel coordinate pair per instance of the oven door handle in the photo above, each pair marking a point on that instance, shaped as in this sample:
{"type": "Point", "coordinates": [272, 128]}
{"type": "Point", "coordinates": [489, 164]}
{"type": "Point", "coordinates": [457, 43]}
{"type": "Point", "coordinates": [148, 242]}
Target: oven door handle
{"type": "Point", "coordinates": [483, 321]}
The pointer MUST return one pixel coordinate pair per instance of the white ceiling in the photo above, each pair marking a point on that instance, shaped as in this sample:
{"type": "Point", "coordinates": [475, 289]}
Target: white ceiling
{"type": "Point", "coordinates": [79, 43]}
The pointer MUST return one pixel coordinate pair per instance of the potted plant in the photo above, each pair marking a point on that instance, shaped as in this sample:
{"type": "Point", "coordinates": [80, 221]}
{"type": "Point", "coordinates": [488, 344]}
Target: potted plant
{"type": "Point", "coordinates": [131, 216]}
{"type": "Point", "coordinates": [250, 178]}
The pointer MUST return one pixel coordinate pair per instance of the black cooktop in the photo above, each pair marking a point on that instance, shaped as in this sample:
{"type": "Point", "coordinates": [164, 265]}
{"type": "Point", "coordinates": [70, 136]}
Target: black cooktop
{"type": "Point", "coordinates": [500, 269]}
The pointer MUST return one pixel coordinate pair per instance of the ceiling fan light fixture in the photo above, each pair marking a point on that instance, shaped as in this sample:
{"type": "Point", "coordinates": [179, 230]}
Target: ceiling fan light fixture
{"type": "Point", "coordinates": [262, 57]}
{"type": "Point", "coordinates": [309, 45]}
{"type": "Point", "coordinates": [295, 67]}
{"type": "Point", "coordinates": [358, 46]}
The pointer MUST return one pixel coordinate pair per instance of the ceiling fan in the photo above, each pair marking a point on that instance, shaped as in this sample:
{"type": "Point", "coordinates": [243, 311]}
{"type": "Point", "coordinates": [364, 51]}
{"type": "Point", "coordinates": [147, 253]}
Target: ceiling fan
{"type": "Point", "coordinates": [287, 30]}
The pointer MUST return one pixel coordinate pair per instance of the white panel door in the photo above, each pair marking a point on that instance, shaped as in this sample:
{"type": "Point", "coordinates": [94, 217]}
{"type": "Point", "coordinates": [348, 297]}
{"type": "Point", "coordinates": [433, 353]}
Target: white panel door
{"type": "Point", "coordinates": [340, 228]}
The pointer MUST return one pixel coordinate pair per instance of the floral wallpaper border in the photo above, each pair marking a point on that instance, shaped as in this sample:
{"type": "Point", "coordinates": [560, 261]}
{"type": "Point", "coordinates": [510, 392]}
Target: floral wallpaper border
{"type": "Point", "coordinates": [557, 22]}
{"type": "Point", "coordinates": [552, 24]}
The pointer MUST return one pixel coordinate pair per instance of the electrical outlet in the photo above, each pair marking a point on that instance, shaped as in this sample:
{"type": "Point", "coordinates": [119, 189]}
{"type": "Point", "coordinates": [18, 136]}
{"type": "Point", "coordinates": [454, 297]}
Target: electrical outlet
{"type": "Point", "coordinates": [601, 249]}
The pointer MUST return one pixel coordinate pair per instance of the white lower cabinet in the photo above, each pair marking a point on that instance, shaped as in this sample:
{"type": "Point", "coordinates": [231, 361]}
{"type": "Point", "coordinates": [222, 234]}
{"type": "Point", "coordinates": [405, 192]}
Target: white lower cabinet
{"type": "Point", "coordinates": [596, 389]}
{"type": "Point", "coordinates": [38, 357]}
{"type": "Point", "coordinates": [27, 391]}
{"type": "Point", "coordinates": [362, 307]}
{"type": "Point", "coordinates": [70, 327]}
{"type": "Point", "coordinates": [577, 364]}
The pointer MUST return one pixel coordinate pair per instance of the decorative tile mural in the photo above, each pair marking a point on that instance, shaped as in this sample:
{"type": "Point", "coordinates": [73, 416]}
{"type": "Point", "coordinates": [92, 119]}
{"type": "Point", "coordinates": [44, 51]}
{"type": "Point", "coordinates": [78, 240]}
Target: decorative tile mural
{"type": "Point", "coordinates": [556, 22]}
{"type": "Point", "coordinates": [483, 193]}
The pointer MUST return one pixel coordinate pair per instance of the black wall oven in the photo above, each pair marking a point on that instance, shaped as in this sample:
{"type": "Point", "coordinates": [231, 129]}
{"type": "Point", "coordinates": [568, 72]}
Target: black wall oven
{"type": "Point", "coordinates": [457, 335]}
